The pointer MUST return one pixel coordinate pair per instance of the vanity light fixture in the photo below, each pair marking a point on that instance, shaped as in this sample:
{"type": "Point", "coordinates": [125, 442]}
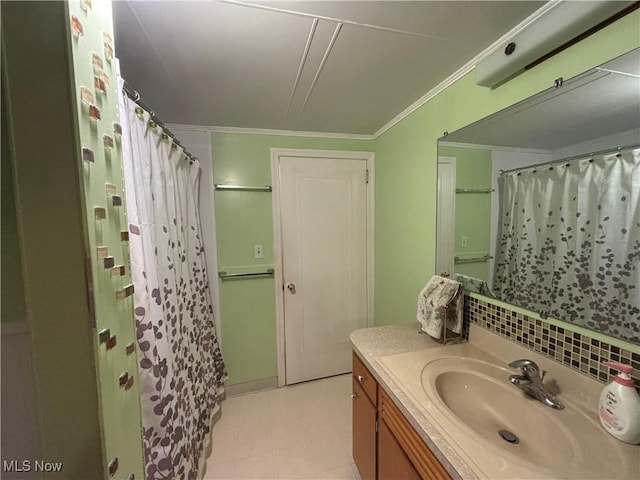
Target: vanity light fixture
{"type": "Point", "coordinates": [553, 30]}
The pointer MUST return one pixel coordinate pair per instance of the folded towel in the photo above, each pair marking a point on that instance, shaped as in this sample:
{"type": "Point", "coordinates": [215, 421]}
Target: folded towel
{"type": "Point", "coordinates": [472, 284]}
{"type": "Point", "coordinates": [440, 304]}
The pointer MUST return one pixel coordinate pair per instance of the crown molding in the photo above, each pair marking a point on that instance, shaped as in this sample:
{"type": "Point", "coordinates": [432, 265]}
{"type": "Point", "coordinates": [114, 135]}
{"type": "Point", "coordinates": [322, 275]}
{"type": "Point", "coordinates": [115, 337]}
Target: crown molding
{"type": "Point", "coordinates": [266, 131]}
{"type": "Point", "coordinates": [468, 67]}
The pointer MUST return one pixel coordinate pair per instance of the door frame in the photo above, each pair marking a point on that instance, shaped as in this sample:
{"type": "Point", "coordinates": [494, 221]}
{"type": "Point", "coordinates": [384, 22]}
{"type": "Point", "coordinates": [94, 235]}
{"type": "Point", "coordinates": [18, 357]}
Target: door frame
{"type": "Point", "coordinates": [276, 153]}
{"type": "Point", "coordinates": [448, 222]}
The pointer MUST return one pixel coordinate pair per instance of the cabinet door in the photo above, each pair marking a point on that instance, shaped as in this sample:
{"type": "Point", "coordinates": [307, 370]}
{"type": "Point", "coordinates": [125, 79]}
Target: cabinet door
{"type": "Point", "coordinates": [393, 463]}
{"type": "Point", "coordinates": [364, 433]}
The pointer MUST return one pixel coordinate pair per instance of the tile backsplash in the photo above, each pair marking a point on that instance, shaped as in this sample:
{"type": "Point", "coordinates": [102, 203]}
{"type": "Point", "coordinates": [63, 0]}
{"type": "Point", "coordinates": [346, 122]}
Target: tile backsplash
{"type": "Point", "coordinates": [575, 350]}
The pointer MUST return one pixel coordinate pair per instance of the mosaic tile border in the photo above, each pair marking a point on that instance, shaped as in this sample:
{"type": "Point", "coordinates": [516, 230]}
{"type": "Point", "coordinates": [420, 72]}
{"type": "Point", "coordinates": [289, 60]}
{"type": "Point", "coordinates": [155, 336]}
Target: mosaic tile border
{"type": "Point", "coordinates": [577, 351]}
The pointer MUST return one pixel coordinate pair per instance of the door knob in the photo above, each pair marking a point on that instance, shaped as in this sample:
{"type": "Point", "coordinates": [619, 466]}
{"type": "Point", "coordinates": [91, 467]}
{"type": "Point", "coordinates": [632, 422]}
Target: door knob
{"type": "Point", "coordinates": [292, 288]}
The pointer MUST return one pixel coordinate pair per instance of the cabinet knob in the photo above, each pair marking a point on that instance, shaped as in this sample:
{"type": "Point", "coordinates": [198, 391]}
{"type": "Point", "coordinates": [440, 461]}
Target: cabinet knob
{"type": "Point", "coordinates": [360, 378]}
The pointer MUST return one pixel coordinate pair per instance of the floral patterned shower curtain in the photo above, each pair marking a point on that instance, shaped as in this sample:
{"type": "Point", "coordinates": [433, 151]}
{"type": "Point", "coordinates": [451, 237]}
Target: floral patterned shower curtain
{"type": "Point", "coordinates": [180, 364]}
{"type": "Point", "coordinates": [569, 245]}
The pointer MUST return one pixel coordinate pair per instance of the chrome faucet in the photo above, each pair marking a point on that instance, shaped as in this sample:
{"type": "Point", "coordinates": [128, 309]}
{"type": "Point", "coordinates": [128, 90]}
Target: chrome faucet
{"type": "Point", "coordinates": [530, 382]}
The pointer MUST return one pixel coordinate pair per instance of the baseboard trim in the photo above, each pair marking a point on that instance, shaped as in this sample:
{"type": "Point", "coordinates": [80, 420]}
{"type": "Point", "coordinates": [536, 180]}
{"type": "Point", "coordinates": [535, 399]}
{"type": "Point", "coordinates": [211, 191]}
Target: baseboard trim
{"type": "Point", "coordinates": [238, 389]}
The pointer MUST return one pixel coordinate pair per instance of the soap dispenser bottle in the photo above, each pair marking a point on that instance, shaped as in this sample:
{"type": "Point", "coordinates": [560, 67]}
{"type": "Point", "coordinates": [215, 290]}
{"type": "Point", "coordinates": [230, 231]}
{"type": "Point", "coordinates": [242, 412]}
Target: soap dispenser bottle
{"type": "Point", "coordinates": [620, 405]}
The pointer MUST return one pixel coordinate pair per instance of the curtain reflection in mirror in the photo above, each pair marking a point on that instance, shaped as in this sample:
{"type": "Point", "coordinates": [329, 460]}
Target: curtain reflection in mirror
{"type": "Point", "coordinates": [569, 242]}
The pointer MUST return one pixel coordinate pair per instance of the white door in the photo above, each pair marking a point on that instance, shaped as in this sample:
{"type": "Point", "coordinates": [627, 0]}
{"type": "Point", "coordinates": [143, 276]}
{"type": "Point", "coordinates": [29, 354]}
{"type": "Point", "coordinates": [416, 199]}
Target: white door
{"type": "Point", "coordinates": [446, 215]}
{"type": "Point", "coordinates": [323, 215]}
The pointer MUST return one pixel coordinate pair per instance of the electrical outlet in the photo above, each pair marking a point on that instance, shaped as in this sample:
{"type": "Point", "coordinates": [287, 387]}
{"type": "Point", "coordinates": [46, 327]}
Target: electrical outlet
{"type": "Point", "coordinates": [464, 241]}
{"type": "Point", "coordinates": [257, 251]}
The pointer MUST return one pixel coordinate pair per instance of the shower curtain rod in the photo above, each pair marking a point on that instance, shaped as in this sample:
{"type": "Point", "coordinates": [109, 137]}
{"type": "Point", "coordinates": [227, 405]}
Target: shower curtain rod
{"type": "Point", "coordinates": [135, 96]}
{"type": "Point", "coordinates": [569, 159]}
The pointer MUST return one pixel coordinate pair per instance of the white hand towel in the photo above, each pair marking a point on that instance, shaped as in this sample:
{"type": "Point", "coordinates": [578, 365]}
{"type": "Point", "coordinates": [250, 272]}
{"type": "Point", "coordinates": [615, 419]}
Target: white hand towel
{"type": "Point", "coordinates": [440, 303]}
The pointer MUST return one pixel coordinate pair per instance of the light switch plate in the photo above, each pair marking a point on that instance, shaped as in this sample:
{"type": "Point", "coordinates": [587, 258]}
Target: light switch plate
{"type": "Point", "coordinates": [258, 251]}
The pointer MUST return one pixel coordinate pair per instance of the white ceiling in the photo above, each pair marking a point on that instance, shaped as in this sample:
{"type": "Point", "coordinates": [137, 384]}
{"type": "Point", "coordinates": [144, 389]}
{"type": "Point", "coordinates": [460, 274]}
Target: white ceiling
{"type": "Point", "coordinates": [599, 103]}
{"type": "Point", "coordinates": [323, 66]}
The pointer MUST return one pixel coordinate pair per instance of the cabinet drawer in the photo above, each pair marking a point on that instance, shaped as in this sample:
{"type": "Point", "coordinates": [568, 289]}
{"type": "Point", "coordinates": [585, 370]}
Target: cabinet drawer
{"type": "Point", "coordinates": [423, 460]}
{"type": "Point", "coordinates": [365, 379]}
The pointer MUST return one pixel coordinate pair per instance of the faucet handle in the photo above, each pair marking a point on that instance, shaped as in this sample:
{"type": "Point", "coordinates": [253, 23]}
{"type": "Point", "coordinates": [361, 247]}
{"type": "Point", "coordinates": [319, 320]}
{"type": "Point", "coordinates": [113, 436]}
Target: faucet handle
{"type": "Point", "coordinates": [523, 364]}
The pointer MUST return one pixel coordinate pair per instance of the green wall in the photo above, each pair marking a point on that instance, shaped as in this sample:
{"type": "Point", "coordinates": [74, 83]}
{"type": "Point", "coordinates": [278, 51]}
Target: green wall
{"type": "Point", "coordinates": [243, 219]}
{"type": "Point", "coordinates": [473, 210]}
{"type": "Point", "coordinates": [85, 418]}
{"type": "Point", "coordinates": [37, 65]}
{"type": "Point", "coordinates": [406, 162]}
{"type": "Point", "coordinates": [119, 407]}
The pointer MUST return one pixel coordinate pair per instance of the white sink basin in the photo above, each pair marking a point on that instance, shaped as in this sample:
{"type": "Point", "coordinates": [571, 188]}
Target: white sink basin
{"type": "Point", "coordinates": [477, 393]}
{"type": "Point", "coordinates": [466, 395]}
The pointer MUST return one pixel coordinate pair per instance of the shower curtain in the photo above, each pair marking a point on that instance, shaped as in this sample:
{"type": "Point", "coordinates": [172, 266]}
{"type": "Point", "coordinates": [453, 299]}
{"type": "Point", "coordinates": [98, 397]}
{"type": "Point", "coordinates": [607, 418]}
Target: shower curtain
{"type": "Point", "coordinates": [180, 365]}
{"type": "Point", "coordinates": [569, 242]}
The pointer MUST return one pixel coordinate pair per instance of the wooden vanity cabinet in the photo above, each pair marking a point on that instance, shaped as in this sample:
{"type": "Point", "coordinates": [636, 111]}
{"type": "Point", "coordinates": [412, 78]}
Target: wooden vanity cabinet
{"type": "Point", "coordinates": [418, 458]}
{"type": "Point", "coordinates": [393, 463]}
{"type": "Point", "coordinates": [385, 445]}
{"type": "Point", "coordinates": [363, 377]}
{"type": "Point", "coordinates": [365, 398]}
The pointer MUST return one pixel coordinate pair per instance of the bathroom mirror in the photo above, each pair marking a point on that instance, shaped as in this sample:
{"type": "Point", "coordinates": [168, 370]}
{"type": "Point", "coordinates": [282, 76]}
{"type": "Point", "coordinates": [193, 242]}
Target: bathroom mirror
{"type": "Point", "coordinates": [539, 204]}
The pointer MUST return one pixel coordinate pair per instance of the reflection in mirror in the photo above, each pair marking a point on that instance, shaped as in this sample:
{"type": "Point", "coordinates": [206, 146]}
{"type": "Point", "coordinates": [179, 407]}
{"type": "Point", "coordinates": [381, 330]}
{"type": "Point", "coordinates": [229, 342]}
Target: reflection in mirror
{"type": "Point", "coordinates": [547, 201]}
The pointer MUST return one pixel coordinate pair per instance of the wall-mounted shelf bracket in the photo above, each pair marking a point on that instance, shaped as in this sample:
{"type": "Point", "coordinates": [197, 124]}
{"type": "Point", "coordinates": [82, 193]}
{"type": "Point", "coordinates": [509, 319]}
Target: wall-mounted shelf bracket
{"type": "Point", "coordinates": [474, 190]}
{"type": "Point", "coordinates": [268, 273]}
{"type": "Point", "coordinates": [243, 188]}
